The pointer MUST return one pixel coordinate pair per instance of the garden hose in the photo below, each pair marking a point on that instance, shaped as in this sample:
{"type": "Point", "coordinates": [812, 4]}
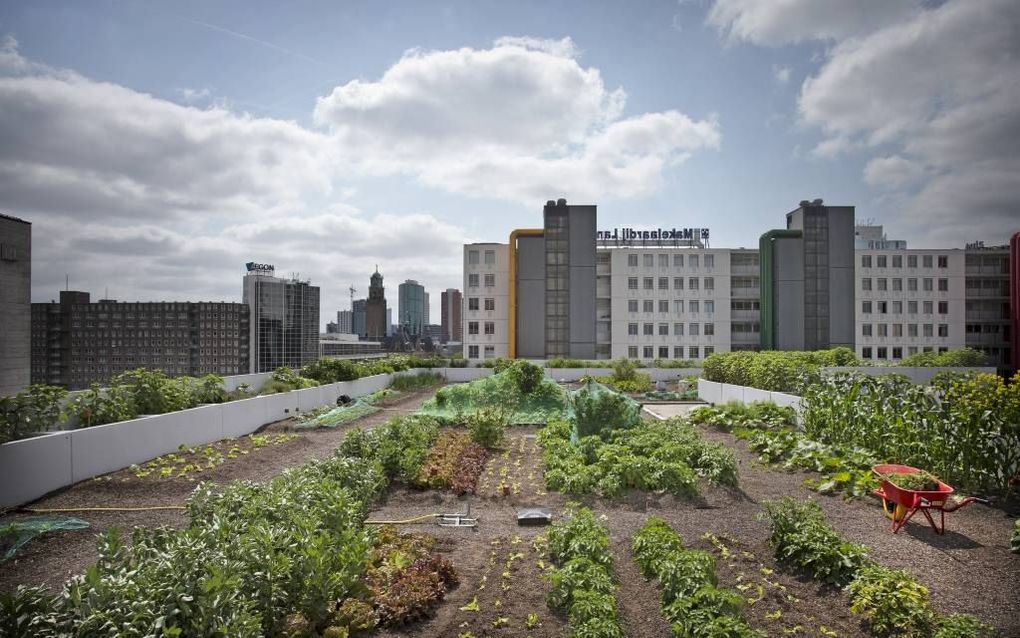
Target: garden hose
{"type": "Point", "coordinates": [56, 510]}
{"type": "Point", "coordinates": [416, 519]}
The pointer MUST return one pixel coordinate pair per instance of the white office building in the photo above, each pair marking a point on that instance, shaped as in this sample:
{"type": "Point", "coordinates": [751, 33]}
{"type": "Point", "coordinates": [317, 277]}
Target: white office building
{"type": "Point", "coordinates": [486, 290]}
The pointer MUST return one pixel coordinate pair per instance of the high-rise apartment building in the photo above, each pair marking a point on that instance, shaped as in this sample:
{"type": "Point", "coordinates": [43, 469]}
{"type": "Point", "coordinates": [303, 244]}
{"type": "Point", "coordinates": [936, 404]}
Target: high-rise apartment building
{"type": "Point", "coordinates": [375, 308]}
{"type": "Point", "coordinates": [411, 307]}
{"type": "Point", "coordinates": [486, 292]}
{"type": "Point", "coordinates": [452, 302]}
{"type": "Point", "coordinates": [345, 322]}
{"type": "Point", "coordinates": [15, 304]}
{"type": "Point", "coordinates": [77, 342]}
{"type": "Point", "coordinates": [988, 320]}
{"type": "Point", "coordinates": [358, 318]}
{"type": "Point", "coordinates": [428, 302]}
{"type": "Point", "coordinates": [284, 319]}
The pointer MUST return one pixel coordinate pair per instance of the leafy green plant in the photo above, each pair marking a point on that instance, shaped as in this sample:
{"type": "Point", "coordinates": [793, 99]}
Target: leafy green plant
{"type": "Point", "coordinates": [892, 600]}
{"type": "Point", "coordinates": [801, 536]}
{"type": "Point", "coordinates": [37, 408]}
{"type": "Point", "coordinates": [597, 409]}
{"type": "Point", "coordinates": [963, 357]}
{"type": "Point", "coordinates": [487, 426]}
{"type": "Point", "coordinates": [1014, 540]}
{"type": "Point", "coordinates": [417, 382]}
{"type": "Point", "coordinates": [779, 371]}
{"type": "Point", "coordinates": [208, 389]}
{"type": "Point", "coordinates": [284, 380]}
{"type": "Point", "coordinates": [98, 406]}
{"type": "Point", "coordinates": [454, 462]}
{"type": "Point", "coordinates": [961, 626]}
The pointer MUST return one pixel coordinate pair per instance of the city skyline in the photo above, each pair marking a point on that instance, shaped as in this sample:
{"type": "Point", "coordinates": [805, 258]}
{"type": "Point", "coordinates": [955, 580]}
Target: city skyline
{"type": "Point", "coordinates": [310, 143]}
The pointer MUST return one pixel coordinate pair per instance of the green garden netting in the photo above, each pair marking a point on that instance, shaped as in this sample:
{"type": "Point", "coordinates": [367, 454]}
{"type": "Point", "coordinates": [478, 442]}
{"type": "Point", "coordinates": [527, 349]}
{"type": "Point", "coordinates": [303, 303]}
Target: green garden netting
{"type": "Point", "coordinates": [455, 402]}
{"type": "Point", "coordinates": [346, 413]}
{"type": "Point", "coordinates": [14, 535]}
{"type": "Point", "coordinates": [596, 408]}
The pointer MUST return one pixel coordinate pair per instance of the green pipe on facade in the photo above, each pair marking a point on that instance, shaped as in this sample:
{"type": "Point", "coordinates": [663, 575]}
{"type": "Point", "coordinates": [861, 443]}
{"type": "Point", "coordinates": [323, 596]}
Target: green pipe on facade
{"type": "Point", "coordinates": [767, 260]}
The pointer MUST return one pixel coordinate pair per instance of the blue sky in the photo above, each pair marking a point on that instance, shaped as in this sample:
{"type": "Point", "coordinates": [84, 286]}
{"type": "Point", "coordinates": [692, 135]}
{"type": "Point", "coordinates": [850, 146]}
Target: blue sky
{"type": "Point", "coordinates": [179, 140]}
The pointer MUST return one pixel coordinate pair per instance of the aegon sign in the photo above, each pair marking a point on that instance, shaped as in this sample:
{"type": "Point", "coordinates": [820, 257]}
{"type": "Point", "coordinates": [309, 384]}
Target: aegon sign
{"type": "Point", "coordinates": [661, 234]}
{"type": "Point", "coordinates": [251, 265]}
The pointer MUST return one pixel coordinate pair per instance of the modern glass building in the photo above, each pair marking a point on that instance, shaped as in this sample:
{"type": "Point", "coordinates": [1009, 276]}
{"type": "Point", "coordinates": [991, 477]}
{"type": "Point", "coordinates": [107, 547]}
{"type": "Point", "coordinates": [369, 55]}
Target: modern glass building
{"type": "Point", "coordinates": [284, 320]}
{"type": "Point", "coordinates": [411, 313]}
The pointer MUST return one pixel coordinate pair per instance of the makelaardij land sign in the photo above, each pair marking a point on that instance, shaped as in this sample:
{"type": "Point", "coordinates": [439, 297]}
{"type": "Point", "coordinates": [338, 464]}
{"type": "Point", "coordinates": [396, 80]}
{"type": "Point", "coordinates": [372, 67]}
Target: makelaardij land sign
{"type": "Point", "coordinates": [627, 235]}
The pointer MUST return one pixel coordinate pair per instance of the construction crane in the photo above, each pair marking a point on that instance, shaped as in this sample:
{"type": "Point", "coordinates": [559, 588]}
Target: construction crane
{"type": "Point", "coordinates": [352, 290]}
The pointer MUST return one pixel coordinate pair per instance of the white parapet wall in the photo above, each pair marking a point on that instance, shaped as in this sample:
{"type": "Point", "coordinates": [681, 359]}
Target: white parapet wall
{"type": "Point", "coordinates": [719, 393]}
{"type": "Point", "coordinates": [34, 467]}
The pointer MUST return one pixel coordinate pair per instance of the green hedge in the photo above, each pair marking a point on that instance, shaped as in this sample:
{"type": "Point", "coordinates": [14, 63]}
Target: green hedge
{"type": "Point", "coordinates": [778, 371]}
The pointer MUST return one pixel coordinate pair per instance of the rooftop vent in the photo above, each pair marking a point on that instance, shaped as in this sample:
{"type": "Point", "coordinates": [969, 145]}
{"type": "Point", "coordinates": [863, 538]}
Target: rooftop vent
{"type": "Point", "coordinates": [561, 202]}
{"type": "Point", "coordinates": [804, 203]}
{"type": "Point", "coordinates": [817, 202]}
{"type": "Point", "coordinates": [550, 203]}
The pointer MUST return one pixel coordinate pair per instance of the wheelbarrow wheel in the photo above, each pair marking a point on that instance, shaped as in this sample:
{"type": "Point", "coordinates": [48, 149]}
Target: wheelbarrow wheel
{"type": "Point", "coordinates": [893, 511]}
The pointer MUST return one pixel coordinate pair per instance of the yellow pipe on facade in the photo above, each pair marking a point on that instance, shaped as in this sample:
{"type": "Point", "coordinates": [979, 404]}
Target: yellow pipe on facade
{"type": "Point", "coordinates": [512, 323]}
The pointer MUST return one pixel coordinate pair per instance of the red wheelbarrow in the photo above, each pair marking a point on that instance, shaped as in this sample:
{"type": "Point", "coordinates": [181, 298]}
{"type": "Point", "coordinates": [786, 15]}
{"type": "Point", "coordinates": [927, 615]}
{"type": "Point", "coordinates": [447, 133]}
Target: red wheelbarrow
{"type": "Point", "coordinates": [900, 504]}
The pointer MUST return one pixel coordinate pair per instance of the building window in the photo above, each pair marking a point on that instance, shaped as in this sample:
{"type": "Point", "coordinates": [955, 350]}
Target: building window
{"type": "Point", "coordinates": [943, 329]}
{"type": "Point", "coordinates": [664, 305]}
{"type": "Point", "coordinates": [911, 261]}
{"type": "Point", "coordinates": [866, 352]}
{"type": "Point", "coordinates": [473, 280]}
{"type": "Point", "coordinates": [709, 307]}
{"type": "Point", "coordinates": [678, 352]}
{"type": "Point", "coordinates": [692, 283]}
{"type": "Point", "coordinates": [897, 261]}
{"type": "Point", "coordinates": [472, 303]}
{"type": "Point", "coordinates": [663, 352]}
{"type": "Point", "coordinates": [472, 352]}
{"type": "Point", "coordinates": [865, 261]}
{"type": "Point", "coordinates": [472, 327]}
{"type": "Point", "coordinates": [883, 284]}
{"type": "Point", "coordinates": [649, 305]}
{"type": "Point", "coordinates": [926, 261]}
{"type": "Point", "coordinates": [692, 352]}
{"type": "Point", "coordinates": [632, 350]}
{"type": "Point", "coordinates": [632, 283]}
{"type": "Point", "coordinates": [928, 330]}
{"type": "Point", "coordinates": [912, 284]}
{"type": "Point", "coordinates": [663, 283]}
{"type": "Point", "coordinates": [490, 328]}
{"type": "Point", "coordinates": [649, 282]}
{"type": "Point", "coordinates": [663, 261]}
{"type": "Point", "coordinates": [883, 352]}
{"type": "Point", "coordinates": [473, 258]}
{"type": "Point", "coordinates": [663, 329]}
{"type": "Point", "coordinates": [943, 285]}
{"type": "Point", "coordinates": [709, 351]}
{"type": "Point", "coordinates": [943, 307]}
{"type": "Point", "coordinates": [632, 305]}
{"type": "Point", "coordinates": [490, 352]}
{"type": "Point", "coordinates": [911, 329]}
{"type": "Point", "coordinates": [632, 329]}
{"type": "Point", "coordinates": [632, 260]}
{"type": "Point", "coordinates": [649, 260]}
{"type": "Point", "coordinates": [692, 261]}
{"type": "Point", "coordinates": [897, 330]}
{"type": "Point", "coordinates": [649, 352]}
{"type": "Point", "coordinates": [709, 261]}
{"type": "Point", "coordinates": [709, 329]}
{"type": "Point", "coordinates": [927, 284]}
{"type": "Point", "coordinates": [865, 329]}
{"type": "Point", "coordinates": [883, 307]}
{"type": "Point", "coordinates": [678, 329]}
{"type": "Point", "coordinates": [678, 261]}
{"type": "Point", "coordinates": [943, 261]}
{"type": "Point", "coordinates": [694, 306]}
{"type": "Point", "coordinates": [881, 261]}
{"type": "Point", "coordinates": [927, 307]}
{"type": "Point", "coordinates": [866, 283]}
{"type": "Point", "coordinates": [648, 329]}
{"type": "Point", "coordinates": [897, 307]}
{"type": "Point", "coordinates": [678, 283]}
{"type": "Point", "coordinates": [897, 284]}
{"type": "Point", "coordinates": [490, 281]}
{"type": "Point", "coordinates": [883, 330]}
{"type": "Point", "coordinates": [678, 306]}
{"type": "Point", "coordinates": [490, 257]}
{"type": "Point", "coordinates": [709, 283]}
{"type": "Point", "coordinates": [866, 307]}
{"type": "Point", "coordinates": [897, 352]}
{"type": "Point", "coordinates": [694, 329]}
{"type": "Point", "coordinates": [490, 303]}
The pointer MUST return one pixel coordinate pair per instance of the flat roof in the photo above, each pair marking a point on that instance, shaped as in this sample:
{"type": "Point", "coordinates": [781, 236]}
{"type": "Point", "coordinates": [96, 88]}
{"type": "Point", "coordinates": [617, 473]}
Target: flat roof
{"type": "Point", "coordinates": [14, 219]}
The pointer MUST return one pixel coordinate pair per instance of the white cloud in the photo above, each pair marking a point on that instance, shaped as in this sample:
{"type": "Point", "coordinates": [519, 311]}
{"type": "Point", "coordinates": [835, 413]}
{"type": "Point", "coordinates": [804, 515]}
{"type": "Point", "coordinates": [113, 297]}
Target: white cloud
{"type": "Point", "coordinates": [194, 95]}
{"type": "Point", "coordinates": [781, 73]}
{"type": "Point", "coordinates": [777, 22]}
{"type": "Point", "coordinates": [932, 92]}
{"type": "Point", "coordinates": [521, 120]}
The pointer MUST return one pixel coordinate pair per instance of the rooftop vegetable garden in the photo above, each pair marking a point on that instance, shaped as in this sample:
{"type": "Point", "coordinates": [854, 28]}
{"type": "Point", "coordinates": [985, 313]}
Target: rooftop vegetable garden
{"type": "Point", "coordinates": [723, 521]}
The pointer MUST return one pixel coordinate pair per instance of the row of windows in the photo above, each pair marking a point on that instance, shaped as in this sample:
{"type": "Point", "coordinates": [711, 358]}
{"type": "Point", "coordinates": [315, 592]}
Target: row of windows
{"type": "Point", "coordinates": [883, 307]}
{"type": "Point", "coordinates": [490, 352]}
{"type": "Point", "coordinates": [490, 303]}
{"type": "Point", "coordinates": [490, 280]}
{"type": "Point", "coordinates": [882, 284]}
{"type": "Point", "coordinates": [693, 261]}
{"type": "Point", "coordinates": [693, 305]}
{"type": "Point", "coordinates": [693, 329]}
{"type": "Point", "coordinates": [489, 327]}
{"type": "Point", "coordinates": [648, 283]}
{"type": "Point", "coordinates": [648, 352]}
{"type": "Point", "coordinates": [490, 257]}
{"type": "Point", "coordinates": [883, 329]}
{"type": "Point", "coordinates": [897, 352]}
{"type": "Point", "coordinates": [882, 261]}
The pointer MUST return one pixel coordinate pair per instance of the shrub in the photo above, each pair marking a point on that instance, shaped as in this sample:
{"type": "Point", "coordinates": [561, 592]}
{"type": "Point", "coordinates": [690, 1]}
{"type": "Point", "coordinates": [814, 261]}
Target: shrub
{"type": "Point", "coordinates": [597, 409]}
{"type": "Point", "coordinates": [1014, 541]}
{"type": "Point", "coordinates": [525, 375]}
{"type": "Point", "coordinates": [487, 426]}
{"type": "Point", "coordinates": [36, 408]}
{"type": "Point", "coordinates": [779, 371]}
{"type": "Point", "coordinates": [413, 383]}
{"type": "Point", "coordinates": [961, 626]}
{"type": "Point", "coordinates": [99, 406]}
{"type": "Point", "coordinates": [963, 357]}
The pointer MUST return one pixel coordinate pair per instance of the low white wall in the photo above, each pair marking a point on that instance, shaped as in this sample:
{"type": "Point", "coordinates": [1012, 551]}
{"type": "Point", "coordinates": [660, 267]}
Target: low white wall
{"type": "Point", "coordinates": [657, 374]}
{"type": "Point", "coordinates": [916, 375]}
{"type": "Point", "coordinates": [714, 392]}
{"type": "Point", "coordinates": [33, 467]}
